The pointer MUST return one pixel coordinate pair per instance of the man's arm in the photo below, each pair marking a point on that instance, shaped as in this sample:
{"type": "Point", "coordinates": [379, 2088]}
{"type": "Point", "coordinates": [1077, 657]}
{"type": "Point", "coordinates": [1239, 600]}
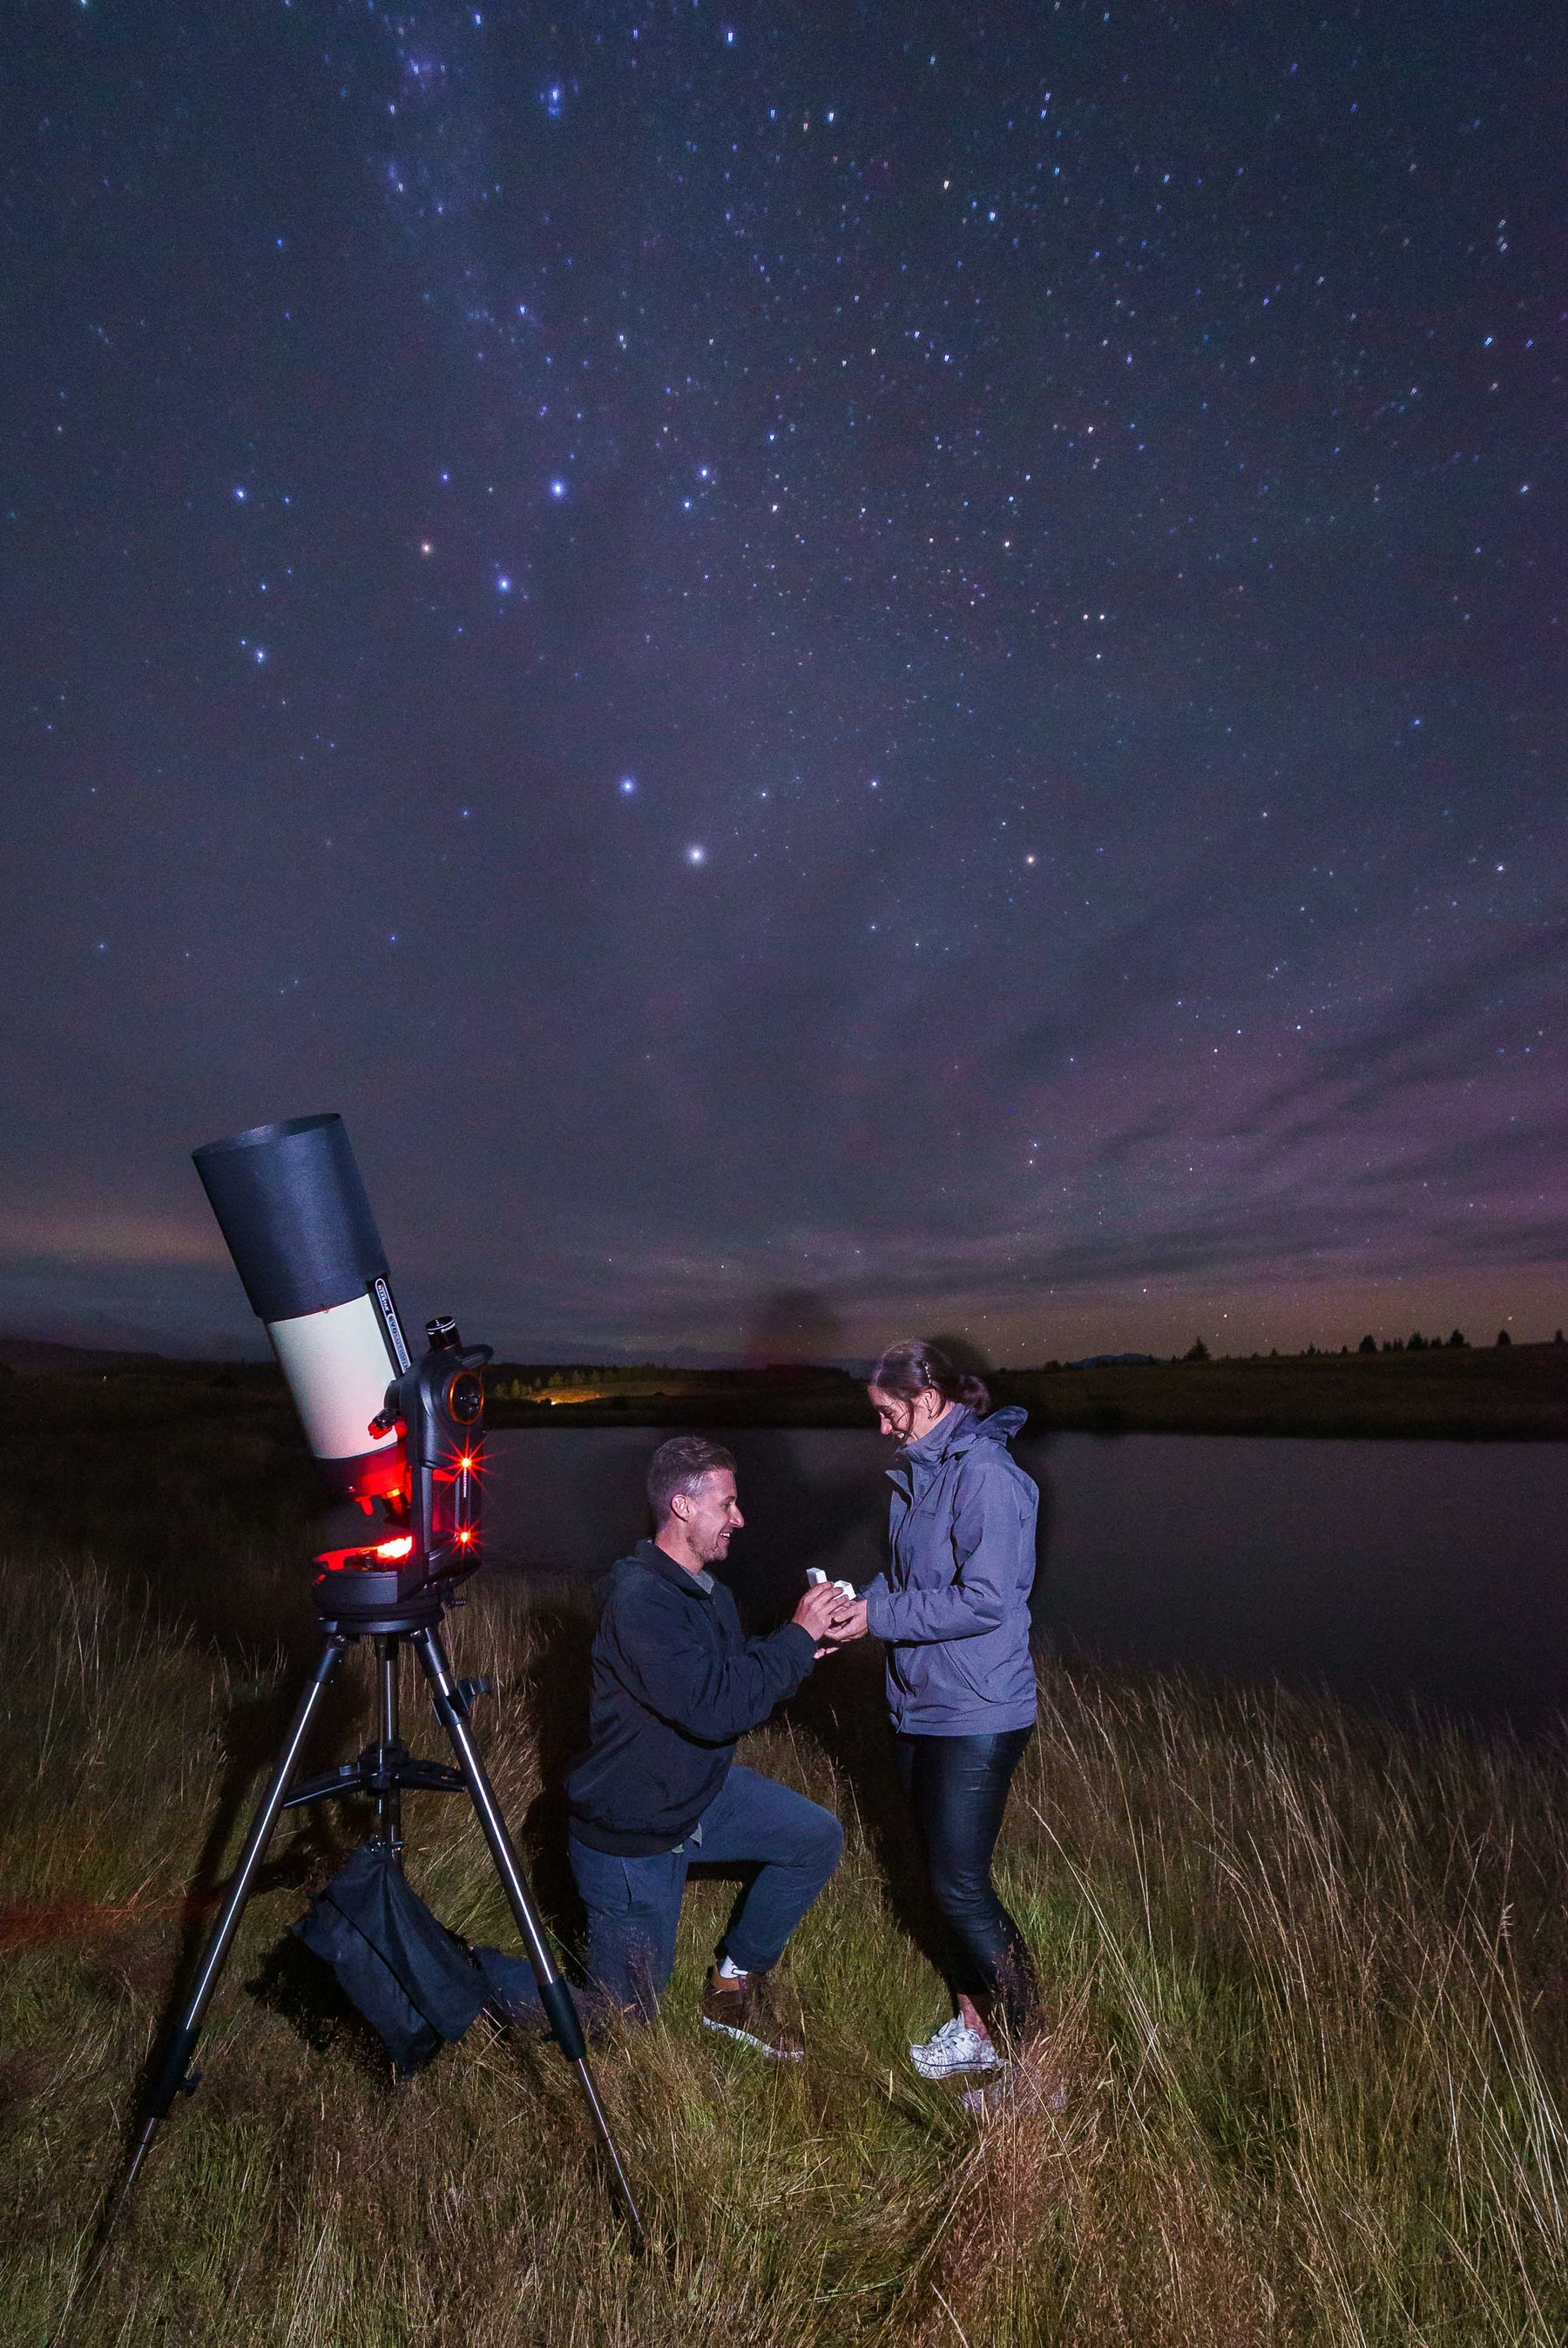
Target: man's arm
{"type": "Point", "coordinates": [714, 1697]}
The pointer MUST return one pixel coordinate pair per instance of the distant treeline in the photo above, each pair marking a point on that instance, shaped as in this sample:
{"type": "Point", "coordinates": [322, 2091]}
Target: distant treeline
{"type": "Point", "coordinates": [1419, 1386]}
{"type": "Point", "coordinates": [556, 1383]}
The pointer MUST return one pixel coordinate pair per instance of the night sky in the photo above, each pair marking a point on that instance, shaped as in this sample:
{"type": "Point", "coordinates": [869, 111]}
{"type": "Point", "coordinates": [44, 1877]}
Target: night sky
{"type": "Point", "coordinates": [839, 672]}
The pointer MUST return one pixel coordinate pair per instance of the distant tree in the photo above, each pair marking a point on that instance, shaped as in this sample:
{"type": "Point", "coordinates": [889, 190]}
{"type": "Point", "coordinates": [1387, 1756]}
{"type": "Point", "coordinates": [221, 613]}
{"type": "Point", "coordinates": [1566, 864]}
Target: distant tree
{"type": "Point", "coordinates": [1458, 1342]}
{"type": "Point", "coordinates": [1504, 1339]}
{"type": "Point", "coordinates": [1196, 1352]}
{"type": "Point", "coordinates": [1368, 1345]}
{"type": "Point", "coordinates": [1558, 1339]}
{"type": "Point", "coordinates": [1418, 1344]}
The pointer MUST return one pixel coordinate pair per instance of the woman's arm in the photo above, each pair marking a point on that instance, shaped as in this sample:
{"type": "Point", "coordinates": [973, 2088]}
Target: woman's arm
{"type": "Point", "coordinates": [986, 1534]}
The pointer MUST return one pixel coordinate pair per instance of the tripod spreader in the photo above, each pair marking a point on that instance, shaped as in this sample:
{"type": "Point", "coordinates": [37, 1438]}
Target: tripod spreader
{"type": "Point", "coordinates": [379, 1768]}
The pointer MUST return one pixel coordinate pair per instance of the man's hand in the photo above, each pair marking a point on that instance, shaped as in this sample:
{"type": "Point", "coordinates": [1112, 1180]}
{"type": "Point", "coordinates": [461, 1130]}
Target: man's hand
{"type": "Point", "coordinates": [819, 1610]}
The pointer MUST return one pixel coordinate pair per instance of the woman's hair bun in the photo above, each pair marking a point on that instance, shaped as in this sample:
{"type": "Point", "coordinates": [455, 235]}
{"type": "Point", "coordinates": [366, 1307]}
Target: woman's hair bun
{"type": "Point", "coordinates": [913, 1366]}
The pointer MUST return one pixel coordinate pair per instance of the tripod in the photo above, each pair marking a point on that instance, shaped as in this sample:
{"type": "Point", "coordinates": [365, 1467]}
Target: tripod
{"type": "Point", "coordinates": [383, 1770]}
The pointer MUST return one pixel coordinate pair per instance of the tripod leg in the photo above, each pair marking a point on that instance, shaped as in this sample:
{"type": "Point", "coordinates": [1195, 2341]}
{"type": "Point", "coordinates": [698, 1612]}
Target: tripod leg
{"type": "Point", "coordinates": [174, 2072]}
{"type": "Point", "coordinates": [554, 1995]}
{"type": "Point", "coordinates": [389, 1804]}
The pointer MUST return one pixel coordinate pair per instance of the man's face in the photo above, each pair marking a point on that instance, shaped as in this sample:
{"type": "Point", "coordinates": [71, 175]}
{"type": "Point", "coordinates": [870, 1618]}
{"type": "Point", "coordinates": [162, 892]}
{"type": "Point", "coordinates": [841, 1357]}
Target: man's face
{"type": "Point", "coordinates": [712, 1515]}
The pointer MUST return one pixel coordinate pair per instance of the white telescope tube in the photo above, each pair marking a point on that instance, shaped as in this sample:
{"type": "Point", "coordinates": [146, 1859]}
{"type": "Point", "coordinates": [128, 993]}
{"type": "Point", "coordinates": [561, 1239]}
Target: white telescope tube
{"type": "Point", "coordinates": [335, 1363]}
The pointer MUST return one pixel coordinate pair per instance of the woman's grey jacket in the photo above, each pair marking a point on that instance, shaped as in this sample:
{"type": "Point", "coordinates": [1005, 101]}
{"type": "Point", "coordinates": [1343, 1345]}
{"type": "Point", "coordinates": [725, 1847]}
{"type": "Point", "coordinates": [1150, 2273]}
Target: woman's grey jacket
{"type": "Point", "coordinates": [953, 1604]}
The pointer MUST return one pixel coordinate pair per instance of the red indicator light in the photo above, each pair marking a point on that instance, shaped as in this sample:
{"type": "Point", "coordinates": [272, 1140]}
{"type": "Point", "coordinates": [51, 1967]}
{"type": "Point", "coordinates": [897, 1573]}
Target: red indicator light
{"type": "Point", "coordinates": [465, 1535]}
{"type": "Point", "coordinates": [362, 1561]}
{"type": "Point", "coordinates": [467, 1460]}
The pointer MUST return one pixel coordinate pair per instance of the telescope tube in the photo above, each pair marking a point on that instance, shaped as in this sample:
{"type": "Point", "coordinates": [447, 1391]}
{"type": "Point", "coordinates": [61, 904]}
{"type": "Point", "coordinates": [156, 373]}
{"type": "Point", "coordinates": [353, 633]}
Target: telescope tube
{"type": "Point", "coordinates": [291, 1206]}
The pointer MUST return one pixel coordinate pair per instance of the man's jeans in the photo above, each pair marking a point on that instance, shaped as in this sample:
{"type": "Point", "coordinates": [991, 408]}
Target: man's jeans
{"type": "Point", "coordinates": [634, 1904]}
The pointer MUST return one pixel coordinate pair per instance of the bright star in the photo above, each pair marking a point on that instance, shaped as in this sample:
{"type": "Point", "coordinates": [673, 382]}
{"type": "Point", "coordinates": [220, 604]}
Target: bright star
{"type": "Point", "coordinates": [628, 784]}
{"type": "Point", "coordinates": [695, 855]}
{"type": "Point", "coordinates": [558, 489]}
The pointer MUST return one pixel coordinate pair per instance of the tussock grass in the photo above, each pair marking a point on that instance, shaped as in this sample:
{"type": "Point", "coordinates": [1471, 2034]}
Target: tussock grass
{"type": "Point", "coordinates": [1304, 2081]}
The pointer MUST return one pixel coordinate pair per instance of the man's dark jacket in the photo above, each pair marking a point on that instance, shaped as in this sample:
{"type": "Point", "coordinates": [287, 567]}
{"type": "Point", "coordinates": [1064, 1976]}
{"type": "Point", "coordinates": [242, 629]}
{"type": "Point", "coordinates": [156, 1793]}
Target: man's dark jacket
{"type": "Point", "coordinates": [675, 1683]}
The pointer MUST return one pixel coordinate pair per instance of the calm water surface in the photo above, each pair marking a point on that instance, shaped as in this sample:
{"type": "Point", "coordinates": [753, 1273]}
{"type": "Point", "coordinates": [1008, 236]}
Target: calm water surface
{"type": "Point", "coordinates": [1378, 1568]}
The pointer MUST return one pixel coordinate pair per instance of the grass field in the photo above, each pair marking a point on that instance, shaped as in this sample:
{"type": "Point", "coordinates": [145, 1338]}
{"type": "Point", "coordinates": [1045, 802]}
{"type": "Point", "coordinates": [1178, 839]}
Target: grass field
{"type": "Point", "coordinates": [1307, 1972]}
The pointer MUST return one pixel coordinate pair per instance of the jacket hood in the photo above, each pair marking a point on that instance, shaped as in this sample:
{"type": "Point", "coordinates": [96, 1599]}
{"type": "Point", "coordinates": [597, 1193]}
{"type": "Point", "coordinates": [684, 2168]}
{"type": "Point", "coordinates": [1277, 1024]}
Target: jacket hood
{"type": "Point", "coordinates": [961, 1430]}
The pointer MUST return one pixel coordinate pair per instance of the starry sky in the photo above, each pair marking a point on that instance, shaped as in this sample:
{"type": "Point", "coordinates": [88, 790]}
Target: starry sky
{"type": "Point", "coordinates": [842, 670]}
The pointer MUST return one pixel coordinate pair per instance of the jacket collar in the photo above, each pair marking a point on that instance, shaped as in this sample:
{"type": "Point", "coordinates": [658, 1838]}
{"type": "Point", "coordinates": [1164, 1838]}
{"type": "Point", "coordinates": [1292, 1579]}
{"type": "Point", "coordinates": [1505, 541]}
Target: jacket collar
{"type": "Point", "coordinates": [941, 1440]}
{"type": "Point", "coordinates": [959, 1431]}
{"type": "Point", "coordinates": [648, 1554]}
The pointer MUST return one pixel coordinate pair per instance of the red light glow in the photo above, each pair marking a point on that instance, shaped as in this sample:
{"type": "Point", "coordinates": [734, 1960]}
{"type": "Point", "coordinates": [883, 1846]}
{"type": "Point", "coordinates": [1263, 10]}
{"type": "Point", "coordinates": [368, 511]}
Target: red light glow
{"type": "Point", "coordinates": [465, 1535]}
{"type": "Point", "coordinates": [364, 1560]}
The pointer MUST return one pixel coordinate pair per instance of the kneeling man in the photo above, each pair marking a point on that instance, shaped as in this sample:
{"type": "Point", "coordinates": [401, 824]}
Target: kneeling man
{"type": "Point", "coordinates": [675, 1683]}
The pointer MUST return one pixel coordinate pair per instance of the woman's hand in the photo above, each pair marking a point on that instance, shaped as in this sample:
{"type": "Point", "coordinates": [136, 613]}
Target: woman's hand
{"type": "Point", "coordinates": [848, 1623]}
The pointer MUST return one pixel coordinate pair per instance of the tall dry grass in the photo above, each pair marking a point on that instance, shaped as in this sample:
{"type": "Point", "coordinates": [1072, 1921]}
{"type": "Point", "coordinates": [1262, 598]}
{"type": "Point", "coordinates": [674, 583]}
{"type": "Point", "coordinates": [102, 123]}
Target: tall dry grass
{"type": "Point", "coordinates": [1304, 2080]}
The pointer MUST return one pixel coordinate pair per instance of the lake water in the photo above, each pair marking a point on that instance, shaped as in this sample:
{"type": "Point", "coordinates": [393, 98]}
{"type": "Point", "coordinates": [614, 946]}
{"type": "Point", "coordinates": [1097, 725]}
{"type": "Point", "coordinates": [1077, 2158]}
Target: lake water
{"type": "Point", "coordinates": [1377, 1569]}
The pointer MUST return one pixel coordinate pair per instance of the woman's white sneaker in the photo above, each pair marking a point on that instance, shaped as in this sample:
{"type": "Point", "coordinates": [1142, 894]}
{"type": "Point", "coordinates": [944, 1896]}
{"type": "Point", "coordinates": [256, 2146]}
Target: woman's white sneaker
{"type": "Point", "coordinates": [954, 2047]}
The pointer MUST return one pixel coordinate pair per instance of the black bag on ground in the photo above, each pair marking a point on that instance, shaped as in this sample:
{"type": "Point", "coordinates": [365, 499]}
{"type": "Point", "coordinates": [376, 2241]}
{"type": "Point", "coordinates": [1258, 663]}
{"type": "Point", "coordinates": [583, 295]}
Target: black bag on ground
{"type": "Point", "coordinates": [398, 1965]}
{"type": "Point", "coordinates": [510, 1988]}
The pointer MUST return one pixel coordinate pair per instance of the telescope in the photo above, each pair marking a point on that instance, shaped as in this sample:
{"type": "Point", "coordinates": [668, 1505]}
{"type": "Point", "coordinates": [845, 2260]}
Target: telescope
{"type": "Point", "coordinates": [404, 1438]}
{"type": "Point", "coordinates": [383, 1428]}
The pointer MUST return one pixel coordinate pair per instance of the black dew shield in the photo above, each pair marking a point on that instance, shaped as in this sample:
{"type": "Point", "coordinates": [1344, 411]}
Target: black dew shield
{"type": "Point", "coordinates": [291, 1206]}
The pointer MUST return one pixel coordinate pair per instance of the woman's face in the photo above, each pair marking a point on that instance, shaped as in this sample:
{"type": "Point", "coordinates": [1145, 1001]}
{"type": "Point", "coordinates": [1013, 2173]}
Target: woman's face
{"type": "Point", "coordinates": [907, 1422]}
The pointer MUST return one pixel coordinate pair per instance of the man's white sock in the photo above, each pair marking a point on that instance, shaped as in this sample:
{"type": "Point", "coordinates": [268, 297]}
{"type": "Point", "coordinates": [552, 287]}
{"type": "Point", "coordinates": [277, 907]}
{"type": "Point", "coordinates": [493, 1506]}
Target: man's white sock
{"type": "Point", "coordinates": [730, 1970]}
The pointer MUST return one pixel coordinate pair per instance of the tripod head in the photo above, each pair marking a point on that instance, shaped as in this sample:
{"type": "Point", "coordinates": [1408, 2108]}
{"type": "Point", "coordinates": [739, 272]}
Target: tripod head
{"type": "Point", "coordinates": [436, 1412]}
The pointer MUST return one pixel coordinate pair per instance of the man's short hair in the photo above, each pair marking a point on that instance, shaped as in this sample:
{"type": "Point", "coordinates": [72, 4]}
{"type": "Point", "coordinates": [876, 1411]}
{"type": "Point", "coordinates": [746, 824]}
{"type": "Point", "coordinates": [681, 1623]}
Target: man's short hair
{"type": "Point", "coordinates": [680, 1466]}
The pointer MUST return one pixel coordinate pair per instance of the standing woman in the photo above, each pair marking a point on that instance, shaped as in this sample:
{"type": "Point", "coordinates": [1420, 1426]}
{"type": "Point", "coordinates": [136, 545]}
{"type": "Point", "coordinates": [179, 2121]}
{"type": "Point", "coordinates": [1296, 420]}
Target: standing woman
{"type": "Point", "coordinates": [953, 1607]}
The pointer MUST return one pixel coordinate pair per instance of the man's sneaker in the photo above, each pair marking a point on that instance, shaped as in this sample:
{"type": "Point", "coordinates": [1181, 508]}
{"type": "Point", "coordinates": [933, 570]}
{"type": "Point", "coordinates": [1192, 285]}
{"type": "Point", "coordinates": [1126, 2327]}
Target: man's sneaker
{"type": "Point", "coordinates": [954, 2047]}
{"type": "Point", "coordinates": [744, 2009]}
